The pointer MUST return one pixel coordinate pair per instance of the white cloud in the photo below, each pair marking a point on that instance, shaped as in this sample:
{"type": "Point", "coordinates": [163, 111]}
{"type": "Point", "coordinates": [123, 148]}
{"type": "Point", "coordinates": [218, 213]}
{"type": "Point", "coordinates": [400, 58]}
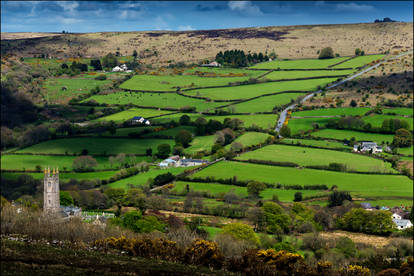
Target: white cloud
{"type": "Point", "coordinates": [69, 6]}
{"type": "Point", "coordinates": [185, 28]}
{"type": "Point", "coordinates": [129, 5]}
{"type": "Point", "coordinates": [68, 21]}
{"type": "Point", "coordinates": [353, 7]}
{"type": "Point", "coordinates": [130, 14]}
{"type": "Point", "coordinates": [245, 7]}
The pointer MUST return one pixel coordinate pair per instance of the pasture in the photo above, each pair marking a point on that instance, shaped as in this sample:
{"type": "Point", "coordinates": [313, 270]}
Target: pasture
{"type": "Point", "coordinates": [285, 75]}
{"type": "Point", "coordinates": [304, 124]}
{"type": "Point", "coordinates": [348, 134]}
{"type": "Point", "coordinates": [29, 162]}
{"type": "Point", "coordinates": [319, 157]}
{"type": "Point", "coordinates": [160, 100]}
{"type": "Point", "coordinates": [250, 138]}
{"type": "Point", "coordinates": [65, 176]}
{"type": "Point", "coordinates": [132, 112]}
{"type": "Point", "coordinates": [358, 61]}
{"type": "Point", "coordinates": [264, 104]}
{"type": "Point", "coordinates": [224, 72]}
{"type": "Point", "coordinates": [317, 143]}
{"type": "Point", "coordinates": [406, 151]}
{"type": "Point", "coordinates": [299, 63]}
{"type": "Point", "coordinates": [376, 120]}
{"type": "Point", "coordinates": [141, 179]}
{"type": "Point", "coordinates": [57, 90]}
{"type": "Point", "coordinates": [364, 184]}
{"type": "Point", "coordinates": [172, 82]}
{"type": "Point", "coordinates": [253, 90]}
{"type": "Point", "coordinates": [347, 111]}
{"type": "Point", "coordinates": [201, 143]}
{"type": "Point", "coordinates": [104, 146]}
{"type": "Point", "coordinates": [172, 132]}
{"type": "Point", "coordinates": [399, 111]}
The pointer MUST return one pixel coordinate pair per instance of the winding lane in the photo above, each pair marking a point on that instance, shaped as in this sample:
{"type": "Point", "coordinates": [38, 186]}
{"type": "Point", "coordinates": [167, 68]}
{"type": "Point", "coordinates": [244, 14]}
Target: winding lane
{"type": "Point", "coordinates": [283, 114]}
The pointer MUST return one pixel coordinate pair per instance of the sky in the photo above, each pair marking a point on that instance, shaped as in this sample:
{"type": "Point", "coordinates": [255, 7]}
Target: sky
{"type": "Point", "coordinates": [99, 16]}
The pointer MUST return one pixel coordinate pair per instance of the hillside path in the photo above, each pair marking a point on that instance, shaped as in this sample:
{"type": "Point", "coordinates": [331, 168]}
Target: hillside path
{"type": "Point", "coordinates": [283, 115]}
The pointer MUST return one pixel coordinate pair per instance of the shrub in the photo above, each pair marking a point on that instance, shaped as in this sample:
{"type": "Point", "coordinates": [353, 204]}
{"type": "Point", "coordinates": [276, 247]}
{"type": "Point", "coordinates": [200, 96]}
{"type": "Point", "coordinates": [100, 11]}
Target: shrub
{"type": "Point", "coordinates": [370, 222]}
{"type": "Point", "coordinates": [337, 198]}
{"type": "Point", "coordinates": [84, 163]}
{"type": "Point", "coordinates": [100, 77]}
{"type": "Point", "coordinates": [326, 53]}
{"type": "Point", "coordinates": [205, 253]}
{"type": "Point", "coordinates": [255, 187]}
{"type": "Point", "coordinates": [184, 138]}
{"type": "Point", "coordinates": [297, 197]}
{"type": "Point", "coordinates": [242, 232]}
{"type": "Point", "coordinates": [354, 270]}
{"type": "Point", "coordinates": [230, 246]}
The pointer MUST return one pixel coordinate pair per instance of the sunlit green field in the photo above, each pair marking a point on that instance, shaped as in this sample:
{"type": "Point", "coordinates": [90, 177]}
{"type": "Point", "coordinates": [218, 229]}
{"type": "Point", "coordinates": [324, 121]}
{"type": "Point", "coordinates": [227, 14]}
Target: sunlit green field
{"type": "Point", "coordinates": [377, 120]}
{"type": "Point", "coordinates": [254, 90]}
{"type": "Point", "coordinates": [317, 143]}
{"type": "Point", "coordinates": [161, 100]}
{"type": "Point", "coordinates": [299, 63]}
{"type": "Point", "coordinates": [96, 146]}
{"type": "Point", "coordinates": [285, 75]}
{"type": "Point", "coordinates": [304, 124]}
{"type": "Point", "coordinates": [264, 104]}
{"type": "Point", "coordinates": [348, 111]}
{"type": "Point", "coordinates": [65, 176]}
{"type": "Point", "coordinates": [348, 134]}
{"type": "Point", "coordinates": [250, 138]}
{"type": "Point", "coordinates": [171, 131]}
{"type": "Point", "coordinates": [358, 61]}
{"type": "Point", "coordinates": [201, 143]}
{"type": "Point", "coordinates": [130, 113]}
{"type": "Point", "coordinates": [320, 157]}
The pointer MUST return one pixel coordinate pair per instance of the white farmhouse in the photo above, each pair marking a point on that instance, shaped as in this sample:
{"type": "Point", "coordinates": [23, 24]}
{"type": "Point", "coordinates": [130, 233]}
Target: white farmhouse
{"type": "Point", "coordinates": [140, 120]}
{"type": "Point", "coordinates": [367, 146]}
{"type": "Point", "coordinates": [396, 216]}
{"type": "Point", "coordinates": [402, 223]}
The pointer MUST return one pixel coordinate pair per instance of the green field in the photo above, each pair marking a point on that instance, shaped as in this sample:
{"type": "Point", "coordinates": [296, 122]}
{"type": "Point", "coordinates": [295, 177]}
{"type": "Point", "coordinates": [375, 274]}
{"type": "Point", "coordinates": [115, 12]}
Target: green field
{"type": "Point", "coordinates": [29, 162]}
{"type": "Point", "coordinates": [142, 178]}
{"type": "Point", "coordinates": [262, 120]}
{"type": "Point", "coordinates": [96, 146]}
{"type": "Point", "coordinates": [406, 151]}
{"type": "Point", "coordinates": [304, 124]}
{"type": "Point", "coordinates": [348, 111]}
{"type": "Point", "coordinates": [399, 111]}
{"type": "Point", "coordinates": [130, 113]}
{"type": "Point", "coordinates": [250, 138]}
{"type": "Point", "coordinates": [363, 184]}
{"type": "Point", "coordinates": [376, 120]}
{"type": "Point", "coordinates": [299, 63]}
{"type": "Point", "coordinates": [279, 75]}
{"type": "Point", "coordinates": [317, 143]}
{"type": "Point", "coordinates": [219, 189]}
{"type": "Point", "coordinates": [171, 82]}
{"type": "Point", "coordinates": [74, 86]}
{"type": "Point", "coordinates": [264, 104]}
{"type": "Point", "coordinates": [225, 71]}
{"type": "Point", "coordinates": [65, 176]}
{"type": "Point", "coordinates": [358, 61]}
{"type": "Point", "coordinates": [161, 100]}
{"type": "Point", "coordinates": [348, 134]}
{"type": "Point", "coordinates": [201, 143]}
{"type": "Point", "coordinates": [254, 90]}
{"type": "Point", "coordinates": [311, 156]}
{"type": "Point", "coordinates": [170, 132]}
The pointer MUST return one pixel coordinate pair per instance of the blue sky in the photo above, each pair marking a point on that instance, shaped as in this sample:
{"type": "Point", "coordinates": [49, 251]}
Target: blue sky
{"type": "Point", "coordinates": [96, 16]}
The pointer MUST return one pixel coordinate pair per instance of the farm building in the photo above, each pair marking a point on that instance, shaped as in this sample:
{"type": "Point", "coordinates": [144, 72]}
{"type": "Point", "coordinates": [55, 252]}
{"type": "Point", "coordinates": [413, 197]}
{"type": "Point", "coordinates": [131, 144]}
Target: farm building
{"type": "Point", "coordinates": [121, 68]}
{"type": "Point", "coordinates": [367, 146]}
{"type": "Point", "coordinates": [168, 163]}
{"type": "Point", "coordinates": [366, 206]}
{"type": "Point", "coordinates": [402, 223]}
{"type": "Point", "coordinates": [140, 120]}
{"type": "Point", "coordinates": [211, 64]}
{"type": "Point", "coordinates": [190, 162]}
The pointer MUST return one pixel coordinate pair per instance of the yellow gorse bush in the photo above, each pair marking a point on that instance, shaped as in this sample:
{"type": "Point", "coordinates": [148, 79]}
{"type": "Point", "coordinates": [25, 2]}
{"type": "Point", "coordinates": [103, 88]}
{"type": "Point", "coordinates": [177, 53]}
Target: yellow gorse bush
{"type": "Point", "coordinates": [355, 270]}
{"type": "Point", "coordinates": [279, 259]}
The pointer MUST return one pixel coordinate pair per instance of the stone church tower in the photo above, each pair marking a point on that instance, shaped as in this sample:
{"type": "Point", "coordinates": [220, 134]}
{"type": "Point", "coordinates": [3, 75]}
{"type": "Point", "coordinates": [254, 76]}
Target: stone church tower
{"type": "Point", "coordinates": [51, 196]}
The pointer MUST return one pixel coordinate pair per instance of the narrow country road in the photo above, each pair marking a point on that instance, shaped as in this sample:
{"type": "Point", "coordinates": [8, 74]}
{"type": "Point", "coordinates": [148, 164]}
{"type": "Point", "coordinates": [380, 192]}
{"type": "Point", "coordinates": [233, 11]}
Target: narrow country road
{"type": "Point", "coordinates": [283, 115]}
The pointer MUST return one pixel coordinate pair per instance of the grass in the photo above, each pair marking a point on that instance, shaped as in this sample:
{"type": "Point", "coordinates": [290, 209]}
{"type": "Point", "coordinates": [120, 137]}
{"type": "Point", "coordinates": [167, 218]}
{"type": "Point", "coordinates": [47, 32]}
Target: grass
{"type": "Point", "coordinates": [96, 146]}
{"type": "Point", "coordinates": [217, 189]}
{"type": "Point", "coordinates": [65, 176]}
{"type": "Point", "coordinates": [358, 61]}
{"type": "Point", "coordinates": [74, 86]}
{"type": "Point", "coordinates": [310, 156]}
{"type": "Point", "coordinates": [160, 100]}
{"type": "Point", "coordinates": [264, 104]}
{"type": "Point", "coordinates": [254, 90]}
{"type": "Point", "coordinates": [317, 143]}
{"type": "Point", "coordinates": [304, 124]}
{"type": "Point", "coordinates": [250, 138]}
{"type": "Point", "coordinates": [299, 63]}
{"type": "Point", "coordinates": [278, 75]}
{"type": "Point", "coordinates": [364, 184]}
{"type": "Point", "coordinates": [201, 143]}
{"type": "Point", "coordinates": [348, 111]}
{"type": "Point", "coordinates": [172, 132]}
{"type": "Point", "coordinates": [123, 132]}
{"type": "Point", "coordinates": [406, 151]}
{"type": "Point", "coordinates": [348, 134]}
{"type": "Point", "coordinates": [171, 82]}
{"type": "Point", "coordinates": [225, 72]}
{"type": "Point", "coordinates": [141, 179]}
{"type": "Point", "coordinates": [399, 111]}
{"type": "Point", "coordinates": [212, 231]}
{"type": "Point", "coordinates": [376, 120]}
{"type": "Point", "coordinates": [130, 113]}
{"type": "Point", "coordinates": [29, 162]}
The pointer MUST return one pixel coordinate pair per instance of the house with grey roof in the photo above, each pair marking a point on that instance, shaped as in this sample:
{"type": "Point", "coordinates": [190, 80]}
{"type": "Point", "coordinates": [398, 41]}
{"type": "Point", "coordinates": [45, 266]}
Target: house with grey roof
{"type": "Point", "coordinates": [402, 223]}
{"type": "Point", "coordinates": [367, 146]}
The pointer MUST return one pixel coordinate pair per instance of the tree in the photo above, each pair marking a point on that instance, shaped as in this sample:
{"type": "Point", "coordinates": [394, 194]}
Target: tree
{"type": "Point", "coordinates": [353, 103]}
{"type": "Point", "coordinates": [162, 179]}
{"type": "Point", "coordinates": [402, 138]}
{"type": "Point", "coordinates": [254, 188]}
{"type": "Point", "coordinates": [65, 199]}
{"type": "Point", "coordinates": [184, 137]}
{"type": "Point", "coordinates": [256, 215]}
{"type": "Point", "coordinates": [326, 53]}
{"type": "Point", "coordinates": [236, 147]}
{"type": "Point", "coordinates": [116, 195]}
{"type": "Point", "coordinates": [242, 232]}
{"type": "Point", "coordinates": [135, 54]}
{"type": "Point", "coordinates": [298, 197]}
{"type": "Point", "coordinates": [285, 131]}
{"type": "Point", "coordinates": [109, 61]}
{"type": "Point", "coordinates": [357, 51]}
{"type": "Point", "coordinates": [164, 150]}
{"type": "Point", "coordinates": [96, 64]}
{"type": "Point", "coordinates": [136, 198]}
{"type": "Point", "coordinates": [185, 120]}
{"type": "Point", "coordinates": [336, 198]}
{"type": "Point", "coordinates": [370, 222]}
{"type": "Point", "coordinates": [84, 163]}
{"type": "Point", "coordinates": [276, 219]}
